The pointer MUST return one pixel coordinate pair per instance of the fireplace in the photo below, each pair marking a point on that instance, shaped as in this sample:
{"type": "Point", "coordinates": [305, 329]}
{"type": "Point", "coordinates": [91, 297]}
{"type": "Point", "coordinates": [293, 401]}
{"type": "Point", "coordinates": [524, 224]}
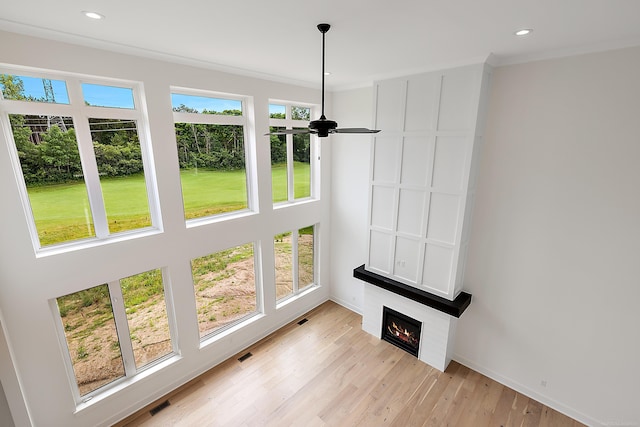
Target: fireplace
{"type": "Point", "coordinates": [432, 318]}
{"type": "Point", "coordinates": [401, 331]}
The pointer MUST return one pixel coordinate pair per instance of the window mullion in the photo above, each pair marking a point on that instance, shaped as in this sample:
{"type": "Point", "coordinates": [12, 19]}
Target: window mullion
{"type": "Point", "coordinates": [122, 328]}
{"type": "Point", "coordinates": [148, 166]}
{"type": "Point", "coordinates": [314, 162]}
{"type": "Point", "coordinates": [290, 183]}
{"type": "Point", "coordinates": [92, 178]}
{"type": "Point", "coordinates": [257, 271]}
{"type": "Point", "coordinates": [294, 261]}
{"type": "Point", "coordinates": [171, 311]}
{"type": "Point", "coordinates": [88, 160]}
{"type": "Point", "coordinates": [316, 253]}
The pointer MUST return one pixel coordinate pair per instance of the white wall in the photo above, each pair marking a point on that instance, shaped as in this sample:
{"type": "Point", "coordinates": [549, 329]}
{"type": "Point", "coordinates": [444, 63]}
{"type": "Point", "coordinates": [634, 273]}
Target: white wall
{"type": "Point", "coordinates": [553, 263]}
{"type": "Point", "coordinates": [554, 258]}
{"type": "Point", "coordinates": [5, 413]}
{"type": "Point", "coordinates": [350, 162]}
{"type": "Point", "coordinates": [31, 359]}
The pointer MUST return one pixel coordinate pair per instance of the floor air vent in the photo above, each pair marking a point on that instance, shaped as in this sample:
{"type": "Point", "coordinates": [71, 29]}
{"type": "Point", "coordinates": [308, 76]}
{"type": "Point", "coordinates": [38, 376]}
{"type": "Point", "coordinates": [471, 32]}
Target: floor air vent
{"type": "Point", "coordinates": [244, 357]}
{"type": "Point", "coordinates": [303, 321]}
{"type": "Point", "coordinates": [159, 408]}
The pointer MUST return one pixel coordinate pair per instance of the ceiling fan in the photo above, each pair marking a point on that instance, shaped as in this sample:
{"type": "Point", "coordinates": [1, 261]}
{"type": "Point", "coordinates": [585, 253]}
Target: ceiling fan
{"type": "Point", "coordinates": [323, 126]}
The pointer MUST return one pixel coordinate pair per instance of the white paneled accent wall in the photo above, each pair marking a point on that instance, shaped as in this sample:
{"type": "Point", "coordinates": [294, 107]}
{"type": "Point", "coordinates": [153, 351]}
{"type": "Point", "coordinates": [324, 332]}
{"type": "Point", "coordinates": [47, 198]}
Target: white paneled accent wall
{"type": "Point", "coordinates": [423, 176]}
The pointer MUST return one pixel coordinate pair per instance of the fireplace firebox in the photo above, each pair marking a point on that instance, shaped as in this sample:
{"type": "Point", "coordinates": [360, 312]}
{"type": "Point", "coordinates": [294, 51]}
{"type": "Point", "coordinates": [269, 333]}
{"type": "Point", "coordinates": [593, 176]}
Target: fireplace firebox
{"type": "Point", "coordinates": [401, 330]}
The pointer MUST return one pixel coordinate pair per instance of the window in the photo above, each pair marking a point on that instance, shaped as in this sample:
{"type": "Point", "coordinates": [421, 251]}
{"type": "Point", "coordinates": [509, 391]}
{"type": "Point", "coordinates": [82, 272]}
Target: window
{"type": "Point", "coordinates": [108, 96]}
{"type": "Point", "coordinates": [82, 157]}
{"type": "Point", "coordinates": [37, 89]}
{"type": "Point", "coordinates": [291, 166]}
{"type": "Point", "coordinates": [115, 330]}
{"type": "Point", "coordinates": [294, 258]}
{"type": "Point", "coordinates": [210, 134]}
{"type": "Point", "coordinates": [225, 288]}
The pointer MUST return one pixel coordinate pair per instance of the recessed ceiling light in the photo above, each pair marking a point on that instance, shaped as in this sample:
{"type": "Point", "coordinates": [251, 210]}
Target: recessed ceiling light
{"type": "Point", "coordinates": [523, 32]}
{"type": "Point", "coordinates": [92, 15]}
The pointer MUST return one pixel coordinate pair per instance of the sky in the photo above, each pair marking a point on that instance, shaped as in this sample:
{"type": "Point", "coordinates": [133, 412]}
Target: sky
{"type": "Point", "coordinates": [276, 109]}
{"type": "Point", "coordinates": [121, 97]}
{"type": "Point", "coordinates": [201, 103]}
{"type": "Point", "coordinates": [34, 87]}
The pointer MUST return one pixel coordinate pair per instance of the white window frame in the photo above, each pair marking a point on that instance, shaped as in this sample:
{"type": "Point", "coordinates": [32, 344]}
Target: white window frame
{"type": "Point", "coordinates": [131, 372]}
{"type": "Point", "coordinates": [314, 164]}
{"type": "Point", "coordinates": [295, 267]}
{"type": "Point", "coordinates": [250, 161]}
{"type": "Point", "coordinates": [80, 114]}
{"type": "Point", "coordinates": [215, 335]}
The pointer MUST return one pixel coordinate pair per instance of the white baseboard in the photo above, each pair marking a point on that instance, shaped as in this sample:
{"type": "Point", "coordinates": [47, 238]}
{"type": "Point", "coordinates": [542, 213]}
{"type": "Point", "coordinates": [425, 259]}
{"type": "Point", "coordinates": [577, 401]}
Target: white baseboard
{"type": "Point", "coordinates": [346, 305]}
{"type": "Point", "coordinates": [545, 400]}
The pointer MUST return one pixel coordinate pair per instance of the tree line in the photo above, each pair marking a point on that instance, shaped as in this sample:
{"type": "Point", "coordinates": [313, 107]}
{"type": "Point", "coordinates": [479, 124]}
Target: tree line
{"type": "Point", "coordinates": [301, 142]}
{"type": "Point", "coordinates": [219, 147]}
{"type": "Point", "coordinates": [48, 149]}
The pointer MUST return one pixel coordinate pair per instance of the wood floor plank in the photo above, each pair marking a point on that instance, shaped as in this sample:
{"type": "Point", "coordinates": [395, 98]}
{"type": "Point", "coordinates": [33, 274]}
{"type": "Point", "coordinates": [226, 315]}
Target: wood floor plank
{"type": "Point", "coordinates": [503, 407]}
{"type": "Point", "coordinates": [394, 389]}
{"type": "Point", "coordinates": [533, 414]}
{"type": "Point", "coordinates": [459, 401]}
{"type": "Point", "coordinates": [551, 418]}
{"type": "Point", "coordinates": [326, 371]}
{"type": "Point", "coordinates": [422, 403]}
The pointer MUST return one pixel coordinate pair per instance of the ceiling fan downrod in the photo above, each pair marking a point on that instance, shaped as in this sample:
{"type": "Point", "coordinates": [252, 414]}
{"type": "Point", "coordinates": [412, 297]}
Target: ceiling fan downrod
{"type": "Point", "coordinates": [323, 29]}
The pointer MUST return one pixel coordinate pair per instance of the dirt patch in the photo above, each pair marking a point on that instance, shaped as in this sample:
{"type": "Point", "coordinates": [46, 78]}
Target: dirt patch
{"type": "Point", "coordinates": [96, 353]}
{"type": "Point", "coordinates": [222, 297]}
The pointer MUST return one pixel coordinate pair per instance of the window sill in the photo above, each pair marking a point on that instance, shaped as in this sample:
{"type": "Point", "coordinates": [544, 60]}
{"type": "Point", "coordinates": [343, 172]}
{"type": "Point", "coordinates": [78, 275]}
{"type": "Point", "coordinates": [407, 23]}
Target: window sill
{"type": "Point", "coordinates": [294, 297]}
{"type": "Point", "coordinates": [123, 383]}
{"type": "Point", "coordinates": [282, 205]}
{"type": "Point", "coordinates": [198, 222]}
{"type": "Point", "coordinates": [223, 332]}
{"type": "Point", "coordinates": [79, 245]}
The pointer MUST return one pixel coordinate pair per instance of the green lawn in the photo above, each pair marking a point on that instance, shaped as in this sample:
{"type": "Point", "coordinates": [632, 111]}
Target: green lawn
{"type": "Point", "coordinates": [62, 211]}
{"type": "Point", "coordinates": [207, 192]}
{"type": "Point", "coordinates": [301, 181]}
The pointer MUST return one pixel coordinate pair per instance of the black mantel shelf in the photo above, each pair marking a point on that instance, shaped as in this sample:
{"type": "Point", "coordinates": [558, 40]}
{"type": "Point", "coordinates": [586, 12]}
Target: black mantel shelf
{"type": "Point", "coordinates": [454, 308]}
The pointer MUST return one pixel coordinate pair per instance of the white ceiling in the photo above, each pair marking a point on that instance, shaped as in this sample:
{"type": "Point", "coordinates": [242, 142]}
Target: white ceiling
{"type": "Point", "coordinates": [369, 39]}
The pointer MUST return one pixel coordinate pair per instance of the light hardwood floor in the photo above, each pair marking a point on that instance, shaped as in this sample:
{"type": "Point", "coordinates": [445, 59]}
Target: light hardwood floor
{"type": "Point", "coordinates": [328, 372]}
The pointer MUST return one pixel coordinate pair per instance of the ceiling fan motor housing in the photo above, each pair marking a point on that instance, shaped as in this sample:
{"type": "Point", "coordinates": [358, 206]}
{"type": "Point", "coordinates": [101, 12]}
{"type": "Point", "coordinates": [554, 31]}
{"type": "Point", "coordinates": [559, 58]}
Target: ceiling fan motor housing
{"type": "Point", "coordinates": [323, 126]}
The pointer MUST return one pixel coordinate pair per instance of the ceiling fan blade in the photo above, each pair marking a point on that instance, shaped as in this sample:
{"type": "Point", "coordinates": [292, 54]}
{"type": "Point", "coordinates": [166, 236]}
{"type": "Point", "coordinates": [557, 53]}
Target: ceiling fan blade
{"type": "Point", "coordinates": [355, 130]}
{"type": "Point", "coordinates": [289, 132]}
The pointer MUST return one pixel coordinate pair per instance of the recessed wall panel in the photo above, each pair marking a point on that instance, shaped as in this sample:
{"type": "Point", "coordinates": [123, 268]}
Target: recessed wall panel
{"type": "Point", "coordinates": [422, 106]}
{"type": "Point", "coordinates": [411, 208]}
{"type": "Point", "coordinates": [416, 160]}
{"type": "Point", "coordinates": [390, 105]}
{"type": "Point", "coordinates": [382, 207]}
{"type": "Point", "coordinates": [443, 217]}
{"type": "Point", "coordinates": [406, 259]}
{"type": "Point", "coordinates": [437, 268]}
{"type": "Point", "coordinates": [449, 162]}
{"type": "Point", "coordinates": [380, 251]}
{"type": "Point", "coordinates": [385, 160]}
{"type": "Point", "coordinates": [459, 89]}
